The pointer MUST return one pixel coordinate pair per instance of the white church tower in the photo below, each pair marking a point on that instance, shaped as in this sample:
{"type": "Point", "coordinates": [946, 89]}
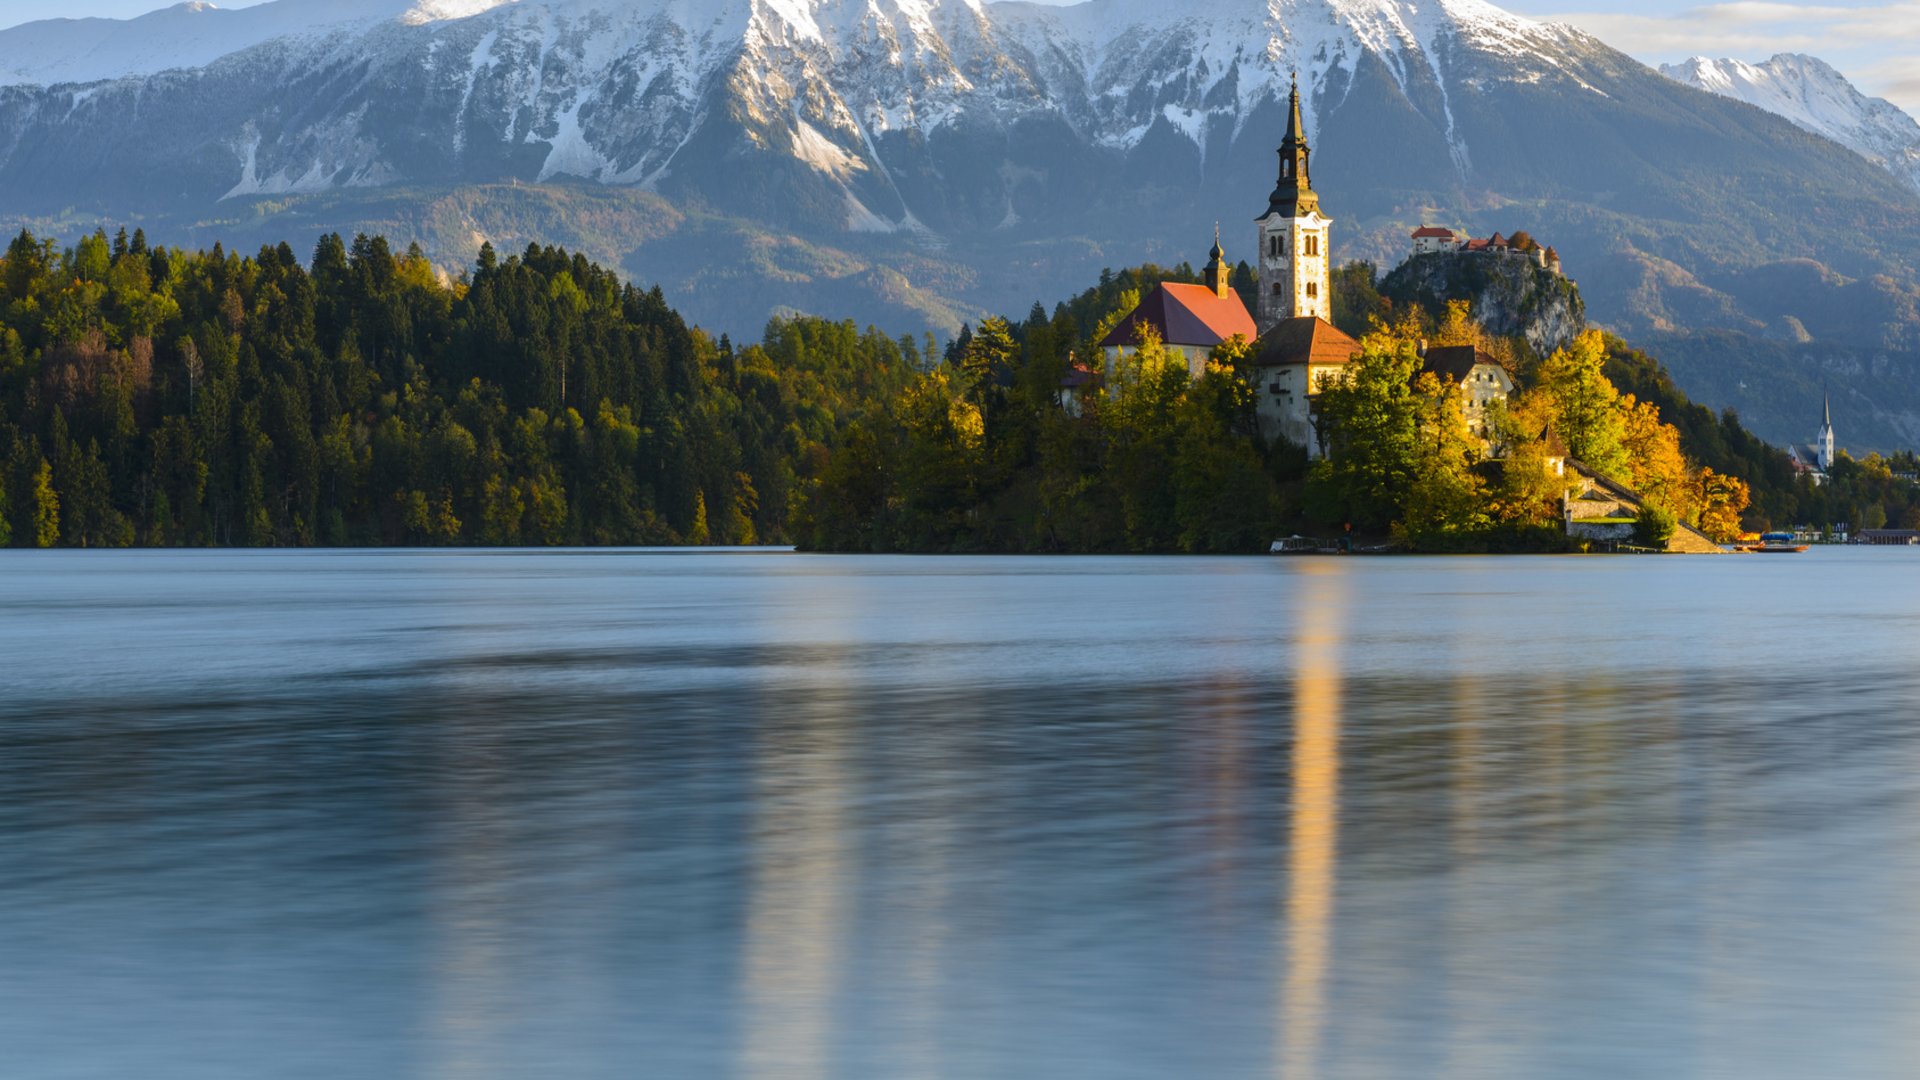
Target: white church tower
{"type": "Point", "coordinates": [1823, 444]}
{"type": "Point", "coordinates": [1294, 256]}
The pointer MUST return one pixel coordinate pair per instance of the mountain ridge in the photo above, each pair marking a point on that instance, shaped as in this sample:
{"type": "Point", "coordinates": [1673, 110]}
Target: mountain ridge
{"type": "Point", "coordinates": [924, 161]}
{"type": "Point", "coordinates": [1809, 93]}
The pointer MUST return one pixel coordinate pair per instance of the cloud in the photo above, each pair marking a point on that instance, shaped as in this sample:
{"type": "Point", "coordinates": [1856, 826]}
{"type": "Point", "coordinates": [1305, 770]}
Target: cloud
{"type": "Point", "coordinates": [1876, 45]}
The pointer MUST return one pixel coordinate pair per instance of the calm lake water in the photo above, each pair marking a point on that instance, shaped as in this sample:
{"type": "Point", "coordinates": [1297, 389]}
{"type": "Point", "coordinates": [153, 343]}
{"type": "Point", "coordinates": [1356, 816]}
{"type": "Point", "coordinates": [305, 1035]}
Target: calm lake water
{"type": "Point", "coordinates": [762, 815]}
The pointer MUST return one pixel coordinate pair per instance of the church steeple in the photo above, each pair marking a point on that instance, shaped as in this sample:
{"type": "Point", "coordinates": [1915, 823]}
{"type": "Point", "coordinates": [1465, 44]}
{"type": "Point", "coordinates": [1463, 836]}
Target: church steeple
{"type": "Point", "coordinates": [1293, 196]}
{"type": "Point", "coordinates": [1823, 448]}
{"type": "Point", "coordinates": [1219, 274]}
{"type": "Point", "coordinates": [1294, 256]}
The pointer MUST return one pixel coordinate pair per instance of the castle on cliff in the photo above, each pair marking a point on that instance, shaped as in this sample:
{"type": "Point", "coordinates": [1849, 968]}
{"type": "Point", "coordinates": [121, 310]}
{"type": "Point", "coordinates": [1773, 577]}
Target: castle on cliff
{"type": "Point", "coordinates": [1437, 240]}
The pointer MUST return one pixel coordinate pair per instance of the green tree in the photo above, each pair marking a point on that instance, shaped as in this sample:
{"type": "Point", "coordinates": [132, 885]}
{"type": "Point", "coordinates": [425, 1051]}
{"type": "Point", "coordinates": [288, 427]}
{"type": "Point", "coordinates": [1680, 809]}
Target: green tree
{"type": "Point", "coordinates": [43, 522]}
{"type": "Point", "coordinates": [1654, 526]}
{"type": "Point", "coordinates": [1370, 423]}
{"type": "Point", "coordinates": [1446, 498]}
{"type": "Point", "coordinates": [1583, 405]}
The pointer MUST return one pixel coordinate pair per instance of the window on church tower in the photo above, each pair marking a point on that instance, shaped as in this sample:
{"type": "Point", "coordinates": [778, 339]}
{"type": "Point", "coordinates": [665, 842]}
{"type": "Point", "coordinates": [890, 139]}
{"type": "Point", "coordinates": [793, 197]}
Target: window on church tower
{"type": "Point", "coordinates": [1313, 244]}
{"type": "Point", "coordinates": [1313, 289]}
{"type": "Point", "coordinates": [1277, 290]}
{"type": "Point", "coordinates": [1275, 246]}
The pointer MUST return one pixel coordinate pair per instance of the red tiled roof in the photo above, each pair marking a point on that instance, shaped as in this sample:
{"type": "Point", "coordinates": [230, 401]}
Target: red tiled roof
{"type": "Point", "coordinates": [1185, 315]}
{"type": "Point", "coordinates": [1432, 230]}
{"type": "Point", "coordinates": [1305, 340]}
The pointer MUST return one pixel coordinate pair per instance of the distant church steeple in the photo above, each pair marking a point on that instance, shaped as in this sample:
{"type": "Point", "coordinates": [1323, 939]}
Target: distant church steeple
{"type": "Point", "coordinates": [1294, 255]}
{"type": "Point", "coordinates": [1823, 446]}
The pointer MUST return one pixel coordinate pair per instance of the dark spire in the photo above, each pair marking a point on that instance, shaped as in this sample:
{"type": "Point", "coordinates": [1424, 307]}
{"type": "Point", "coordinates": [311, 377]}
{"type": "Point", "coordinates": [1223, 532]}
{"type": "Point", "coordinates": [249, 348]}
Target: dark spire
{"type": "Point", "coordinates": [1293, 196]}
{"type": "Point", "coordinates": [1219, 274]}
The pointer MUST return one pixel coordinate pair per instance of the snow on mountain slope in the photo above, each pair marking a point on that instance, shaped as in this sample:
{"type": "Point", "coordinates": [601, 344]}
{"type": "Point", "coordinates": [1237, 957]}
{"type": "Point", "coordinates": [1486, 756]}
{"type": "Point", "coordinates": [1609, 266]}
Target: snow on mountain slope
{"type": "Point", "coordinates": [956, 118]}
{"type": "Point", "coordinates": [1815, 97]}
{"type": "Point", "coordinates": [616, 89]}
{"type": "Point", "coordinates": [187, 35]}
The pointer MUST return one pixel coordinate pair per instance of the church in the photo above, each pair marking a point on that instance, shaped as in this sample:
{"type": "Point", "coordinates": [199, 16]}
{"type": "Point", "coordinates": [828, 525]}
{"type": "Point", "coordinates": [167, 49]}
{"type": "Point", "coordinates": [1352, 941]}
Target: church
{"type": "Point", "coordinates": [1816, 457]}
{"type": "Point", "coordinates": [1296, 346]}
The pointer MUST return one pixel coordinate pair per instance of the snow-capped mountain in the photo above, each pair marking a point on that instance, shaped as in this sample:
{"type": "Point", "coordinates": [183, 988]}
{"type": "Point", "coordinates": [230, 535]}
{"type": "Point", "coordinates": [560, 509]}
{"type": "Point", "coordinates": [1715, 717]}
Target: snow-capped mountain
{"type": "Point", "coordinates": [309, 95]}
{"type": "Point", "coordinates": [920, 162]}
{"type": "Point", "coordinates": [1811, 94]}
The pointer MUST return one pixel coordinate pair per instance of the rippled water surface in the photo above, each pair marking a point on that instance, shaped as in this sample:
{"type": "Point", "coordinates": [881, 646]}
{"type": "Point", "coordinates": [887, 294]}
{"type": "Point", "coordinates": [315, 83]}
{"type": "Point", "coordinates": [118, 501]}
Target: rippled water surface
{"type": "Point", "coordinates": [649, 814]}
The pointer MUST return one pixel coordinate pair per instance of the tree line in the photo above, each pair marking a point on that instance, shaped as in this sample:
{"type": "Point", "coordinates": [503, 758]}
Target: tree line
{"type": "Point", "coordinates": [151, 395]}
{"type": "Point", "coordinates": [157, 396]}
{"type": "Point", "coordinates": [980, 455]}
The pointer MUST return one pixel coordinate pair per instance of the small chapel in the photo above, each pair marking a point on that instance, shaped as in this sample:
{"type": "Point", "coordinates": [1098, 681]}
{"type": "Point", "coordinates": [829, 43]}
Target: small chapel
{"type": "Point", "coordinates": [1296, 346]}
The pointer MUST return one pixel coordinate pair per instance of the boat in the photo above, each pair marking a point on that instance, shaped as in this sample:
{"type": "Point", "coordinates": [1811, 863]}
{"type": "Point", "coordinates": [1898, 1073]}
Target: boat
{"type": "Point", "coordinates": [1302, 545]}
{"type": "Point", "coordinates": [1775, 543]}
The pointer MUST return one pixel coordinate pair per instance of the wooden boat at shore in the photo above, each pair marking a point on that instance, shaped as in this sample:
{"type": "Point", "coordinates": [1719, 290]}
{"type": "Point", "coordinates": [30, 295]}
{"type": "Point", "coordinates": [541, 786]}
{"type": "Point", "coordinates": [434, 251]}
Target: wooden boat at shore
{"type": "Point", "coordinates": [1775, 544]}
{"type": "Point", "coordinates": [1303, 545]}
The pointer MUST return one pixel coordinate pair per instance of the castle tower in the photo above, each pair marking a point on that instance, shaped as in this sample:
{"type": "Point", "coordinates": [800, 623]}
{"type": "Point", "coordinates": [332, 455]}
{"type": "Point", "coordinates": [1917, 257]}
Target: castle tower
{"type": "Point", "coordinates": [1294, 256]}
{"type": "Point", "coordinates": [1219, 274]}
{"type": "Point", "coordinates": [1823, 446]}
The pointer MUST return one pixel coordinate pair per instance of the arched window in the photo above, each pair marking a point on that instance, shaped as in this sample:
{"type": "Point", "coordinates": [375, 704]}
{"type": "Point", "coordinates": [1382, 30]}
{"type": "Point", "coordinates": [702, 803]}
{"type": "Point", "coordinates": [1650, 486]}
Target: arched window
{"type": "Point", "coordinates": [1277, 290]}
{"type": "Point", "coordinates": [1276, 247]}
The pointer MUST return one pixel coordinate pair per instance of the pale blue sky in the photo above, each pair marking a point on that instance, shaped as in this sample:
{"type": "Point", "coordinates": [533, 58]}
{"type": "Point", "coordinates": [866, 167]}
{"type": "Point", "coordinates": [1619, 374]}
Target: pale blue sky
{"type": "Point", "coordinates": [1876, 42]}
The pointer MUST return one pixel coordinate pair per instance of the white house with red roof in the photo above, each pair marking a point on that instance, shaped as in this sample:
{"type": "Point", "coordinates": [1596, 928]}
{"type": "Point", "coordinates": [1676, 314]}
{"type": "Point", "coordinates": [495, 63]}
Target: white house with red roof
{"type": "Point", "coordinates": [1433, 239]}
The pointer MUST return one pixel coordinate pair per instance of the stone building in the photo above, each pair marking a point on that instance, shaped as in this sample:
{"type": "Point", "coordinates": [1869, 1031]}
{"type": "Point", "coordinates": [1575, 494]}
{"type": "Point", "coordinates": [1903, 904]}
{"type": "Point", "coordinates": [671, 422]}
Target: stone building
{"type": "Point", "coordinates": [1291, 362]}
{"type": "Point", "coordinates": [1482, 380]}
{"type": "Point", "coordinates": [1437, 240]}
{"type": "Point", "coordinates": [1434, 240]}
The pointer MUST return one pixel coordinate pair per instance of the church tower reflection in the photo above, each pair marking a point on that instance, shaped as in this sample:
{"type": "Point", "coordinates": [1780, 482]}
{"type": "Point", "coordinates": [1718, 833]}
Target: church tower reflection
{"type": "Point", "coordinates": [1314, 832]}
{"type": "Point", "coordinates": [800, 891]}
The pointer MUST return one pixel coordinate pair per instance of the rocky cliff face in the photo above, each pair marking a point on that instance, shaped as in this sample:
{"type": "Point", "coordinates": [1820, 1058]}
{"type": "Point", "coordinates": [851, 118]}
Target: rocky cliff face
{"type": "Point", "coordinates": [1511, 294]}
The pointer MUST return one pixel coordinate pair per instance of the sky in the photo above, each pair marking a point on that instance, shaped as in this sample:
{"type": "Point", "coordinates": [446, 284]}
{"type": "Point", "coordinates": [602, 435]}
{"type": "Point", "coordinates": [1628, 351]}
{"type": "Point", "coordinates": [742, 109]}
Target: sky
{"type": "Point", "coordinates": [1875, 42]}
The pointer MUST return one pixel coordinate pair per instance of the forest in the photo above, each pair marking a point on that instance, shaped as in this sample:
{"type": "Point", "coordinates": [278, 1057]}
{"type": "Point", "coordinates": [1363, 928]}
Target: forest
{"type": "Point", "coordinates": [979, 455]}
{"type": "Point", "coordinates": [160, 397]}
{"type": "Point", "coordinates": [154, 396]}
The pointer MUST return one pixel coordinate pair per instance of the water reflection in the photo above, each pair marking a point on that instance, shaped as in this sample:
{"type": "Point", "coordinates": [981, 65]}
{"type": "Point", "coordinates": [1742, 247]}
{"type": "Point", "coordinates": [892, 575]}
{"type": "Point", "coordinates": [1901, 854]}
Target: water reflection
{"type": "Point", "coordinates": [802, 875]}
{"type": "Point", "coordinates": [1314, 819]}
{"type": "Point", "coordinates": [595, 817]}
{"type": "Point", "coordinates": [472, 991]}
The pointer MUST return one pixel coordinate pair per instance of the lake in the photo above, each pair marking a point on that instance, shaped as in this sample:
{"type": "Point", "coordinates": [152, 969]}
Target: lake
{"type": "Point", "coordinates": [756, 814]}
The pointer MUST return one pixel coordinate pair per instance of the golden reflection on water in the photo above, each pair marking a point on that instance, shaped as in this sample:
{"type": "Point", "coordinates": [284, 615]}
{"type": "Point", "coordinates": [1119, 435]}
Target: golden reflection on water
{"type": "Point", "coordinates": [1313, 857]}
{"type": "Point", "coordinates": [798, 896]}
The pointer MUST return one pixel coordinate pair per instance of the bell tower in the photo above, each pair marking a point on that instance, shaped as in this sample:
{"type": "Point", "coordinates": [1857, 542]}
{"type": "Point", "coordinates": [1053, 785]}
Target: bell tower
{"type": "Point", "coordinates": [1219, 275]}
{"type": "Point", "coordinates": [1294, 256]}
